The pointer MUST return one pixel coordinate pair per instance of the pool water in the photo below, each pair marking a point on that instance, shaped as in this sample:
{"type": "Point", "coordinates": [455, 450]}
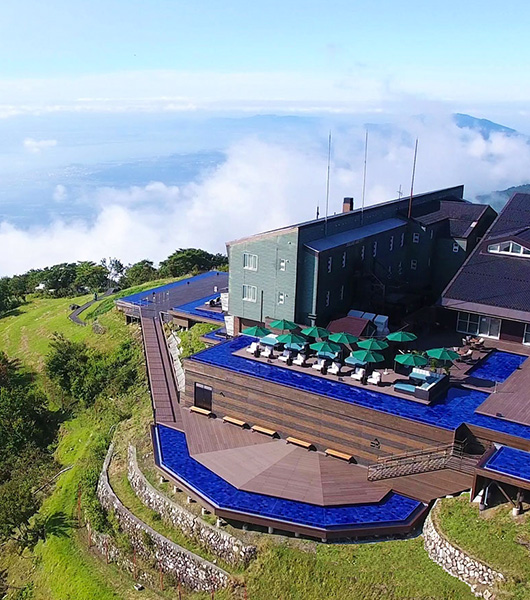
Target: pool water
{"type": "Point", "coordinates": [497, 366]}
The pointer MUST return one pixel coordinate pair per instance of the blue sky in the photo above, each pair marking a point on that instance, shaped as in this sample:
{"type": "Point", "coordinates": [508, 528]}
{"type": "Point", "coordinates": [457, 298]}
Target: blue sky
{"type": "Point", "coordinates": [202, 52]}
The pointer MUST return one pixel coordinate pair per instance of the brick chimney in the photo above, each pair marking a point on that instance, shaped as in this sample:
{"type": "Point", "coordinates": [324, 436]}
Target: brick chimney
{"type": "Point", "coordinates": [347, 205]}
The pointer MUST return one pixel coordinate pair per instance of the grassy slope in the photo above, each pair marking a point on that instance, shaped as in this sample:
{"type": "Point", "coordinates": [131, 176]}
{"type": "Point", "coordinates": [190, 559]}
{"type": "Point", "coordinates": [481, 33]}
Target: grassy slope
{"type": "Point", "coordinates": [492, 538]}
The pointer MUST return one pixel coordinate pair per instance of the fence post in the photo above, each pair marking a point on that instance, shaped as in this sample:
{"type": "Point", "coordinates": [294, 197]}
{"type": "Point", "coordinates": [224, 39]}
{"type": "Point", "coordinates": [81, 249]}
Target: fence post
{"type": "Point", "coordinates": [161, 576]}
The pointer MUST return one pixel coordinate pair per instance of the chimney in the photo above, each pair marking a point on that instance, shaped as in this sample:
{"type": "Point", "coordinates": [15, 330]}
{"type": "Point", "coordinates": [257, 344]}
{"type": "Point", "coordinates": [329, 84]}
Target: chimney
{"type": "Point", "coordinates": [347, 205]}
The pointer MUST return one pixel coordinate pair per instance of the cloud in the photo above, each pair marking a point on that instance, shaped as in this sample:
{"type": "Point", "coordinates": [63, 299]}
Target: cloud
{"type": "Point", "coordinates": [60, 193]}
{"type": "Point", "coordinates": [36, 146]}
{"type": "Point", "coordinates": [264, 185]}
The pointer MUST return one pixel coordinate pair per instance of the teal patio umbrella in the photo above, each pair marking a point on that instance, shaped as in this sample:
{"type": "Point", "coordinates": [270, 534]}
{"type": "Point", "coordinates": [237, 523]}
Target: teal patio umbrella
{"type": "Point", "coordinates": [256, 331]}
{"type": "Point", "coordinates": [411, 360]}
{"type": "Point", "coordinates": [291, 338]}
{"type": "Point", "coordinates": [372, 344]}
{"type": "Point", "coordinates": [442, 354]}
{"type": "Point", "coordinates": [325, 347]}
{"type": "Point", "coordinates": [401, 337]}
{"type": "Point", "coordinates": [367, 356]}
{"type": "Point", "coordinates": [316, 332]}
{"type": "Point", "coordinates": [283, 324]}
{"type": "Point", "coordinates": [343, 338]}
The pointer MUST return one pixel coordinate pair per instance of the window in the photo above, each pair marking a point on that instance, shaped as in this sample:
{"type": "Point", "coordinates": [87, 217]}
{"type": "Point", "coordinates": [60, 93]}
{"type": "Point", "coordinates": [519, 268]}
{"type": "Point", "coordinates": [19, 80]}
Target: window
{"type": "Point", "coordinates": [413, 264]}
{"type": "Point", "coordinates": [343, 259]}
{"type": "Point", "coordinates": [362, 252]}
{"type": "Point", "coordinates": [416, 238]}
{"type": "Point", "coordinates": [526, 336]}
{"type": "Point", "coordinates": [328, 297]}
{"type": "Point", "coordinates": [250, 261]}
{"type": "Point", "coordinates": [478, 325]}
{"type": "Point", "coordinates": [402, 240]}
{"type": "Point", "coordinates": [374, 249]}
{"type": "Point", "coordinates": [391, 243]}
{"type": "Point", "coordinates": [400, 268]}
{"type": "Point", "coordinates": [342, 297]}
{"type": "Point", "coordinates": [432, 233]}
{"type": "Point", "coordinates": [330, 264]}
{"type": "Point", "coordinates": [281, 297]}
{"type": "Point", "coordinates": [202, 396]}
{"type": "Point", "coordinates": [456, 247]}
{"type": "Point", "coordinates": [509, 248]}
{"type": "Point", "coordinates": [283, 264]}
{"type": "Point", "coordinates": [250, 293]}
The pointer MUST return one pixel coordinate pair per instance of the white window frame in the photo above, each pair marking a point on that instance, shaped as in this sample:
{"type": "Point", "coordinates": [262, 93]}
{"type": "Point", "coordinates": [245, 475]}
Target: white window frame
{"type": "Point", "coordinates": [402, 241]}
{"type": "Point", "coordinates": [416, 238]}
{"type": "Point", "coordinates": [526, 335]}
{"type": "Point", "coordinates": [330, 264]}
{"type": "Point", "coordinates": [362, 252]}
{"type": "Point", "coordinates": [413, 264]}
{"type": "Point", "coordinates": [475, 324]}
{"type": "Point", "coordinates": [344, 258]}
{"type": "Point", "coordinates": [509, 248]}
{"type": "Point", "coordinates": [281, 297]}
{"type": "Point", "coordinates": [283, 264]}
{"type": "Point", "coordinates": [391, 243]}
{"type": "Point", "coordinates": [250, 293]}
{"type": "Point", "coordinates": [456, 247]}
{"type": "Point", "coordinates": [342, 292]}
{"type": "Point", "coordinates": [328, 297]}
{"type": "Point", "coordinates": [374, 248]}
{"type": "Point", "coordinates": [432, 233]}
{"type": "Point", "coordinates": [400, 268]}
{"type": "Point", "coordinates": [250, 261]}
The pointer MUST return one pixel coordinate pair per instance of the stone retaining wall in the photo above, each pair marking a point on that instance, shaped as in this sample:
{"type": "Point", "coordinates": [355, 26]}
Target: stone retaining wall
{"type": "Point", "coordinates": [457, 563]}
{"type": "Point", "coordinates": [218, 542]}
{"type": "Point", "coordinates": [192, 570]}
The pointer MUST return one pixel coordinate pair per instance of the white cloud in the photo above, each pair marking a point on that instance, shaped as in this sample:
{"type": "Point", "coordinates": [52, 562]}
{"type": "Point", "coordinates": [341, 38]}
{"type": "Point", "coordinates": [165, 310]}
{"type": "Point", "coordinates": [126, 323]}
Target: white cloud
{"type": "Point", "coordinates": [36, 146]}
{"type": "Point", "coordinates": [60, 193]}
{"type": "Point", "coordinates": [263, 186]}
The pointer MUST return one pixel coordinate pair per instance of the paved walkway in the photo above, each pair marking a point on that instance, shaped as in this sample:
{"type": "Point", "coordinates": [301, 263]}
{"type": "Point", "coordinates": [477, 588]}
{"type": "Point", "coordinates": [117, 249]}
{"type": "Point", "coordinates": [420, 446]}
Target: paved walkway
{"type": "Point", "coordinates": [74, 316]}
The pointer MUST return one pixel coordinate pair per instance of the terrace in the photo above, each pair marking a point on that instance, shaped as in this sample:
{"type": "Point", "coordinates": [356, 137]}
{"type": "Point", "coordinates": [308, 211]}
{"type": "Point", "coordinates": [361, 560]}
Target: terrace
{"type": "Point", "coordinates": [452, 409]}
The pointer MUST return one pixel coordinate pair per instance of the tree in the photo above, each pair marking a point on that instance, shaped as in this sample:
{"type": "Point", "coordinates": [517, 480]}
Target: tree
{"type": "Point", "coordinates": [190, 260]}
{"type": "Point", "coordinates": [140, 272]}
{"type": "Point", "coordinates": [91, 276]}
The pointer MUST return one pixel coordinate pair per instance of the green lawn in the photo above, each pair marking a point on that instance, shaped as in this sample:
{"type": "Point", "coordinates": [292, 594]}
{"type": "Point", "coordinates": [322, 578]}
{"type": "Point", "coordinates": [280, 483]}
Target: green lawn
{"type": "Point", "coordinates": [494, 537]}
{"type": "Point", "coordinates": [26, 332]}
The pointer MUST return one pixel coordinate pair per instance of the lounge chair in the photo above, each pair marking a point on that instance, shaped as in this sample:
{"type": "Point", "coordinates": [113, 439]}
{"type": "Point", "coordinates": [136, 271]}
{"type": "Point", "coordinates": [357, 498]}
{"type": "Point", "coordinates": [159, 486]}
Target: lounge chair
{"type": "Point", "coordinates": [300, 360]}
{"type": "Point", "coordinates": [335, 368]}
{"type": "Point", "coordinates": [253, 349]}
{"type": "Point", "coordinates": [358, 374]}
{"type": "Point", "coordinates": [320, 365]}
{"type": "Point", "coordinates": [286, 357]}
{"type": "Point", "coordinates": [468, 354]}
{"type": "Point", "coordinates": [375, 378]}
{"type": "Point", "coordinates": [267, 352]}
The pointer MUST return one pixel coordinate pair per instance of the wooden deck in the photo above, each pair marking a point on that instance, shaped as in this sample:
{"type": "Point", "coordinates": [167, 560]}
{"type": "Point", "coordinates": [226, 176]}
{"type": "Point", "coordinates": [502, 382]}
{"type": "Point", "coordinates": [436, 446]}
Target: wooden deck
{"type": "Point", "coordinates": [160, 373]}
{"type": "Point", "coordinates": [255, 463]}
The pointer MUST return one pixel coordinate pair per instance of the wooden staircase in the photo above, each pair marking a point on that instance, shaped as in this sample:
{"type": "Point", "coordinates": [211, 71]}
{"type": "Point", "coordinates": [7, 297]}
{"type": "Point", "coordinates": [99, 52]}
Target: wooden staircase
{"type": "Point", "coordinates": [445, 456]}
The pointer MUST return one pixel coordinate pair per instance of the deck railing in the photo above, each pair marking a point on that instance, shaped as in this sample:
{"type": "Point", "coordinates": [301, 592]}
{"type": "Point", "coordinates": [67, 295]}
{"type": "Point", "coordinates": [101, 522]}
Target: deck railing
{"type": "Point", "coordinates": [433, 458]}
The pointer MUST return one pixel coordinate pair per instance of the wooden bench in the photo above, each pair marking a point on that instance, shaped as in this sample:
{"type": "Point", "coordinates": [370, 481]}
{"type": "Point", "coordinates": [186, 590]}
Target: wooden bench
{"type": "Point", "coordinates": [301, 443]}
{"type": "Point", "coordinates": [337, 454]}
{"type": "Point", "coordinates": [235, 421]}
{"type": "Point", "coordinates": [264, 430]}
{"type": "Point", "coordinates": [201, 411]}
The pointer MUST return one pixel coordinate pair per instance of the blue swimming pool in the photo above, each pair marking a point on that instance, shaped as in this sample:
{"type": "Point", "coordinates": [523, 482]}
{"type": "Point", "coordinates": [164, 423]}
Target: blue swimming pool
{"type": "Point", "coordinates": [198, 308]}
{"type": "Point", "coordinates": [457, 406]}
{"type": "Point", "coordinates": [497, 366]}
{"type": "Point", "coordinates": [174, 456]}
{"type": "Point", "coordinates": [510, 461]}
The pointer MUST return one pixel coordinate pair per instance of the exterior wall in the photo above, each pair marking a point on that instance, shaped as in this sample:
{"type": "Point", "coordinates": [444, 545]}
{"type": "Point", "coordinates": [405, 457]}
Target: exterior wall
{"type": "Point", "coordinates": [325, 422]}
{"type": "Point", "coordinates": [268, 278]}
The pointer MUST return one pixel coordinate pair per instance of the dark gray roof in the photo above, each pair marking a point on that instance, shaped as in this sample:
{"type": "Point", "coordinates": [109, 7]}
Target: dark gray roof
{"type": "Point", "coordinates": [460, 215]}
{"type": "Point", "coordinates": [353, 235]}
{"type": "Point", "coordinates": [498, 281]}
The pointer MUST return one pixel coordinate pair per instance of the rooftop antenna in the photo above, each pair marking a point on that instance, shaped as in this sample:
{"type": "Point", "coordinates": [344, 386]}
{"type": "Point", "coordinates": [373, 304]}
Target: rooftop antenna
{"type": "Point", "coordinates": [327, 185]}
{"type": "Point", "coordinates": [364, 174]}
{"type": "Point", "coordinates": [412, 180]}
